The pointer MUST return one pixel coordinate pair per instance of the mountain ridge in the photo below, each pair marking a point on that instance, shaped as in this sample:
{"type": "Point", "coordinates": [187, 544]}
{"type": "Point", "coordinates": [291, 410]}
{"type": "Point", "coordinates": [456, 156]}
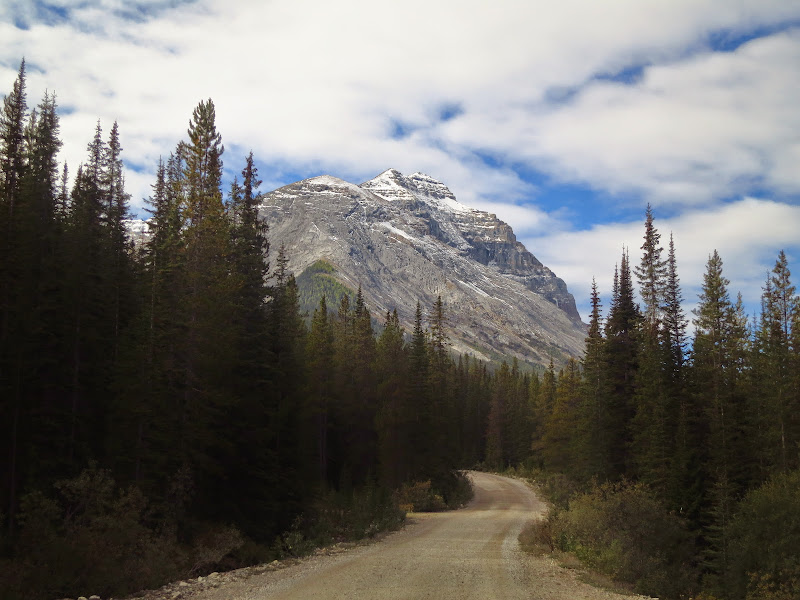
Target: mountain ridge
{"type": "Point", "coordinates": [404, 239]}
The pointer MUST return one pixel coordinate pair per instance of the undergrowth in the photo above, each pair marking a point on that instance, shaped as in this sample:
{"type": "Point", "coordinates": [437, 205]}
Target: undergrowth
{"type": "Point", "coordinates": [619, 531]}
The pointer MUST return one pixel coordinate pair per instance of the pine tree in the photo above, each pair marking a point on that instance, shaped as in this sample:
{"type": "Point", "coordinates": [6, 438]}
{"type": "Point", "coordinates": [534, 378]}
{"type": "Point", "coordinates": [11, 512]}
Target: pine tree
{"type": "Point", "coordinates": [622, 361]}
{"type": "Point", "coordinates": [394, 418]}
{"type": "Point", "coordinates": [419, 384]}
{"type": "Point", "coordinates": [592, 417]}
{"type": "Point", "coordinates": [651, 274]}
{"type": "Point", "coordinates": [12, 140]}
{"type": "Point", "coordinates": [715, 420]}
{"type": "Point", "coordinates": [320, 355]}
{"type": "Point", "coordinates": [559, 440]}
{"type": "Point", "coordinates": [206, 351]}
{"type": "Point", "coordinates": [778, 398]}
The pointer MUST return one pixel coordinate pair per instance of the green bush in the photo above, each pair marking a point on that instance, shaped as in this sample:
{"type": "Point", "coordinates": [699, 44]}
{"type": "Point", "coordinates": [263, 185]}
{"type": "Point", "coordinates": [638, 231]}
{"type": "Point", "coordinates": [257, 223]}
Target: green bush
{"type": "Point", "coordinates": [557, 488]}
{"type": "Point", "coordinates": [623, 531]}
{"type": "Point", "coordinates": [420, 497]}
{"type": "Point", "coordinates": [455, 489]}
{"type": "Point", "coordinates": [340, 517]}
{"type": "Point", "coordinates": [91, 537]}
{"type": "Point", "coordinates": [764, 549]}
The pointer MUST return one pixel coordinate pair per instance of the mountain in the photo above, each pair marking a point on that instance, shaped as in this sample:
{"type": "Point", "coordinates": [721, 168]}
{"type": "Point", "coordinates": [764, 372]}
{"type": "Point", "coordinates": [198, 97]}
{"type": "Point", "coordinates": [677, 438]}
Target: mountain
{"type": "Point", "coordinates": [405, 239]}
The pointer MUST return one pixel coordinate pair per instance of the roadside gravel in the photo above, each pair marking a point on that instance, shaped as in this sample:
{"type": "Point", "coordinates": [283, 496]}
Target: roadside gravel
{"type": "Point", "coordinates": [469, 553]}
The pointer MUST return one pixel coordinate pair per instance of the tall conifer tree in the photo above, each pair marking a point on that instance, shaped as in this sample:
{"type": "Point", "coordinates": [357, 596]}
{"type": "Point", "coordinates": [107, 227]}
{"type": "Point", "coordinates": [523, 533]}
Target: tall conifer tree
{"type": "Point", "coordinates": [622, 361]}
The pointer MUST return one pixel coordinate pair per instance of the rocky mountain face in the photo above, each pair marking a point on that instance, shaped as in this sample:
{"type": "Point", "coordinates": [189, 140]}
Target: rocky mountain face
{"type": "Point", "coordinates": [405, 239]}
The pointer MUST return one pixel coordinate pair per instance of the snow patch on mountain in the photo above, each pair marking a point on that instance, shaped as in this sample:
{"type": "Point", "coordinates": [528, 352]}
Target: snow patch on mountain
{"type": "Point", "coordinates": [400, 232]}
{"type": "Point", "coordinates": [392, 185]}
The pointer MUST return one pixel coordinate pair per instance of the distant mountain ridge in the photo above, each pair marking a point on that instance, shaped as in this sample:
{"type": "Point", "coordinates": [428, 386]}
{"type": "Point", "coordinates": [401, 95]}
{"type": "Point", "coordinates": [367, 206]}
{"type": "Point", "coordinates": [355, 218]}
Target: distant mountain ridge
{"type": "Point", "coordinates": [405, 239]}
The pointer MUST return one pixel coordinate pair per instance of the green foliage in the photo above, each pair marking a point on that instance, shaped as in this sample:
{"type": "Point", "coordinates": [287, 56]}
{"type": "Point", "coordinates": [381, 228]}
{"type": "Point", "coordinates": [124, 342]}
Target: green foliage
{"type": "Point", "coordinates": [446, 492]}
{"type": "Point", "coordinates": [317, 280]}
{"type": "Point", "coordinates": [455, 488]}
{"type": "Point", "coordinates": [557, 488]}
{"type": "Point", "coordinates": [420, 497]}
{"type": "Point", "coordinates": [623, 531]}
{"type": "Point", "coordinates": [90, 536]}
{"type": "Point", "coordinates": [765, 540]}
{"type": "Point", "coordinates": [340, 517]}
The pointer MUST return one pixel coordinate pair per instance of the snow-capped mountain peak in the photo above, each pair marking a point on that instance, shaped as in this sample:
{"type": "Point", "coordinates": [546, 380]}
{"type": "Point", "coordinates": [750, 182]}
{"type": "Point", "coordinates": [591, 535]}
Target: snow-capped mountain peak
{"type": "Point", "coordinates": [404, 239]}
{"type": "Point", "coordinates": [393, 185]}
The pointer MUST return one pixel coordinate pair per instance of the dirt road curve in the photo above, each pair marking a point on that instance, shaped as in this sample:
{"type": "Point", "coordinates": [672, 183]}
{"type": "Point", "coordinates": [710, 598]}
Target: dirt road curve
{"type": "Point", "coordinates": [470, 553]}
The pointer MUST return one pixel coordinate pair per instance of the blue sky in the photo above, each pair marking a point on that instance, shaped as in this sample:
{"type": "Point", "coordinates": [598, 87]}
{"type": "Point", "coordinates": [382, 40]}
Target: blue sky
{"type": "Point", "coordinates": [564, 118]}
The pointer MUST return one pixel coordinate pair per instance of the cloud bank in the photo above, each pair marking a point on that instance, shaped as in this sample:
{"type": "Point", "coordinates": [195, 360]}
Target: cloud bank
{"type": "Point", "coordinates": [515, 105]}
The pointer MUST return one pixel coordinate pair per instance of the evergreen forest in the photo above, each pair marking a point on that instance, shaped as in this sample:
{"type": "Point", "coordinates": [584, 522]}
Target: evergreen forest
{"type": "Point", "coordinates": [169, 409]}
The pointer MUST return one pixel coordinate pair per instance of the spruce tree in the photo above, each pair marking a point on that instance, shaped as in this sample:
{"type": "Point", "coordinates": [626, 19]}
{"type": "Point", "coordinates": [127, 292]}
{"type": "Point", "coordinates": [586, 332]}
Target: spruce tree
{"type": "Point", "coordinates": [715, 420]}
{"type": "Point", "coordinates": [675, 323]}
{"type": "Point", "coordinates": [651, 274]}
{"type": "Point", "coordinates": [592, 417]}
{"type": "Point", "coordinates": [622, 362]}
{"type": "Point", "coordinates": [442, 403]}
{"type": "Point", "coordinates": [419, 384]}
{"type": "Point", "coordinates": [778, 398]}
{"type": "Point", "coordinates": [291, 428]}
{"type": "Point", "coordinates": [394, 418]}
{"type": "Point", "coordinates": [652, 432]}
{"type": "Point", "coordinates": [320, 378]}
{"type": "Point", "coordinates": [497, 425]}
{"type": "Point", "coordinates": [12, 138]}
{"type": "Point", "coordinates": [119, 255]}
{"type": "Point", "coordinates": [542, 399]}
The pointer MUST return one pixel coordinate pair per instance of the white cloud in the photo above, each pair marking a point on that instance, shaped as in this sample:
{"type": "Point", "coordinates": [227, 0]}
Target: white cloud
{"type": "Point", "coordinates": [315, 87]}
{"type": "Point", "coordinates": [308, 81]}
{"type": "Point", "coordinates": [748, 234]}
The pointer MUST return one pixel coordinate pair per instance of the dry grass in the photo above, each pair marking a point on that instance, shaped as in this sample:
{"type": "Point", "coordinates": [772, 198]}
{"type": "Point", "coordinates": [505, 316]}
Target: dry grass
{"type": "Point", "coordinates": [537, 539]}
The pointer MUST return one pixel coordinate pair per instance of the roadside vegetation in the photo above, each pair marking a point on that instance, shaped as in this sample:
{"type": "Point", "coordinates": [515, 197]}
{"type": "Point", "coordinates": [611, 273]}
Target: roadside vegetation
{"type": "Point", "coordinates": [672, 461]}
{"type": "Point", "coordinates": [623, 532]}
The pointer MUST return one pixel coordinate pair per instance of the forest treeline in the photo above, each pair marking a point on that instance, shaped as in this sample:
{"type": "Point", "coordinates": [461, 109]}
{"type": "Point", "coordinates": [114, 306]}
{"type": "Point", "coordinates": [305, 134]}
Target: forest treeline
{"type": "Point", "coordinates": [169, 409]}
{"type": "Point", "coordinates": [166, 406]}
{"type": "Point", "coordinates": [679, 454]}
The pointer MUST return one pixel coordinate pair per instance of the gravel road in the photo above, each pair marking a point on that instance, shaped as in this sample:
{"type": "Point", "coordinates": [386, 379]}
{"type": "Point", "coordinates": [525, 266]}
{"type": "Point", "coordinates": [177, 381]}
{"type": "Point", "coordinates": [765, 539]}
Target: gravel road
{"type": "Point", "coordinates": [469, 553]}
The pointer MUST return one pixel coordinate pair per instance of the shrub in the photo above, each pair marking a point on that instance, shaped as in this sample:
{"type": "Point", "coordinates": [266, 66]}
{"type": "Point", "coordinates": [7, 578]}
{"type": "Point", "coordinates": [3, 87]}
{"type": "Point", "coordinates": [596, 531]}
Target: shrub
{"type": "Point", "coordinates": [764, 550]}
{"type": "Point", "coordinates": [420, 497]}
{"type": "Point", "coordinates": [623, 531]}
{"type": "Point", "coordinates": [339, 517]}
{"type": "Point", "coordinates": [537, 537]}
{"type": "Point", "coordinates": [455, 489]}
{"type": "Point", "coordinates": [90, 536]}
{"type": "Point", "coordinates": [557, 488]}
